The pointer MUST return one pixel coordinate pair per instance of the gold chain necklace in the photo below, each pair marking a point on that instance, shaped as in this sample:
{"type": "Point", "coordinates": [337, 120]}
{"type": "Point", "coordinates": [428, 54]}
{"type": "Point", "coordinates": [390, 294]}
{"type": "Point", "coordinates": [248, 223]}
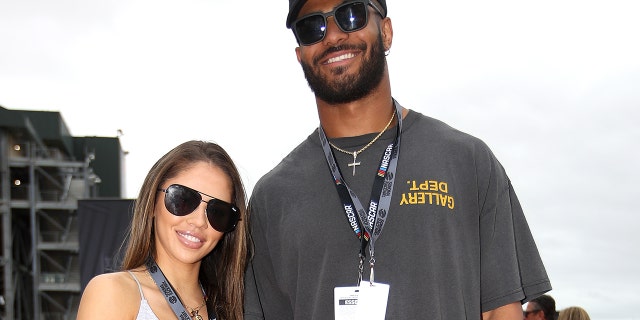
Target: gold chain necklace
{"type": "Point", "coordinates": [194, 311]}
{"type": "Point", "coordinates": [356, 153]}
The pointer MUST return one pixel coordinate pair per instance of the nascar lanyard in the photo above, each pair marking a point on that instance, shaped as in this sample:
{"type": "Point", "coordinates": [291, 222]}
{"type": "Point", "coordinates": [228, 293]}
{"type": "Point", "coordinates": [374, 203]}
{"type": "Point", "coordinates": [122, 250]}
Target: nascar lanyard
{"type": "Point", "coordinates": [372, 221]}
{"type": "Point", "coordinates": [169, 293]}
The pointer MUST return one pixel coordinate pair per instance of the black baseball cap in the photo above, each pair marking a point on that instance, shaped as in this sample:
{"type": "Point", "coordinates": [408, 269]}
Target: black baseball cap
{"type": "Point", "coordinates": [296, 5]}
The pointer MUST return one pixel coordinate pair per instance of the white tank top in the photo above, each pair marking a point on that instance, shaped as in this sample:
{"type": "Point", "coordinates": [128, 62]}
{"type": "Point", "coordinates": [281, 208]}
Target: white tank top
{"type": "Point", "coordinates": [145, 312]}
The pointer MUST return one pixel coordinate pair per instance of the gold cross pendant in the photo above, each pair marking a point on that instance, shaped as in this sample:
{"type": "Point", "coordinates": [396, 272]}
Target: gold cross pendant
{"type": "Point", "coordinates": [354, 164]}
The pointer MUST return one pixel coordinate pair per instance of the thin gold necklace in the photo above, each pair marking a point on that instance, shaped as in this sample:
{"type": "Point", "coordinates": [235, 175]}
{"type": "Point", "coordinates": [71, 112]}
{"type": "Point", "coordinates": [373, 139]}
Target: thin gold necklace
{"type": "Point", "coordinates": [194, 311]}
{"type": "Point", "coordinates": [356, 153]}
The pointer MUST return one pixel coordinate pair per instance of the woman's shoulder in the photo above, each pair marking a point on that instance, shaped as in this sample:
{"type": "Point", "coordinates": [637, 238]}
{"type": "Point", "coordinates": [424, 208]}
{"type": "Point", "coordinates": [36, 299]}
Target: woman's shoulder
{"type": "Point", "coordinates": [113, 281]}
{"type": "Point", "coordinates": [112, 295]}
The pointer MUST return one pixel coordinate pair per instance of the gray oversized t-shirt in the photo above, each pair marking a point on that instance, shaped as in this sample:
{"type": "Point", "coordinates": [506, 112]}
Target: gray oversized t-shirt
{"type": "Point", "coordinates": [455, 244]}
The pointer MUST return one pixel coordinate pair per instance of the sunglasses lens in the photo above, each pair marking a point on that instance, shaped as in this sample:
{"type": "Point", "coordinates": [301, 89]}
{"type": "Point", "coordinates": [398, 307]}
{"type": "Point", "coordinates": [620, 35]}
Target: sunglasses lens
{"type": "Point", "coordinates": [222, 216]}
{"type": "Point", "coordinates": [351, 17]}
{"type": "Point", "coordinates": [310, 29]}
{"type": "Point", "coordinates": [181, 201]}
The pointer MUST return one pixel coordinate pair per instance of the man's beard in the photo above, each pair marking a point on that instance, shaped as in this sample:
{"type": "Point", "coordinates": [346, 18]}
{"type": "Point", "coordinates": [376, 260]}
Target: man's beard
{"type": "Point", "coordinates": [352, 87]}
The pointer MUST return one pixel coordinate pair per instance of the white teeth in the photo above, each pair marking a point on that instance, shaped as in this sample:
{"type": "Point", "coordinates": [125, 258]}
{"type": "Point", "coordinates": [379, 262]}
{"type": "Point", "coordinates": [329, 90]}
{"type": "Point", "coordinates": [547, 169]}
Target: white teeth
{"type": "Point", "coordinates": [190, 237]}
{"type": "Point", "coordinates": [342, 57]}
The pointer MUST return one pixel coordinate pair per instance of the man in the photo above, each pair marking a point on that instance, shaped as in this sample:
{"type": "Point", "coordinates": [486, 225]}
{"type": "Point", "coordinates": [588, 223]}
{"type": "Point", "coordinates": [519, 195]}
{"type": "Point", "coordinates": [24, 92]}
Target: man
{"type": "Point", "coordinates": [427, 207]}
{"type": "Point", "coordinates": [541, 308]}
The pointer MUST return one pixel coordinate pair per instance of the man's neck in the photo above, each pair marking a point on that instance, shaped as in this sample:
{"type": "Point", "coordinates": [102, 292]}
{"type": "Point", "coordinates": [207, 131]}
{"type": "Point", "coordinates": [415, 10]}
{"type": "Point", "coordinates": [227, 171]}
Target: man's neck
{"type": "Point", "coordinates": [367, 115]}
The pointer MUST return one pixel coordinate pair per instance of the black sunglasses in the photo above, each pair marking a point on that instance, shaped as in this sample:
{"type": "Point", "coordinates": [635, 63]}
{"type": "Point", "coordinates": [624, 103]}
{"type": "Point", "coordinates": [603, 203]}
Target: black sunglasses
{"type": "Point", "coordinates": [350, 16]}
{"type": "Point", "coordinates": [526, 313]}
{"type": "Point", "coordinates": [181, 201]}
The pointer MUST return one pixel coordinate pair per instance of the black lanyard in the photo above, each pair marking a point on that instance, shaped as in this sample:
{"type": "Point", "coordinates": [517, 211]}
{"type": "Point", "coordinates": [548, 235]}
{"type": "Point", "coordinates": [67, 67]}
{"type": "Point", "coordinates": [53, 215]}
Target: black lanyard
{"type": "Point", "coordinates": [169, 293]}
{"type": "Point", "coordinates": [373, 220]}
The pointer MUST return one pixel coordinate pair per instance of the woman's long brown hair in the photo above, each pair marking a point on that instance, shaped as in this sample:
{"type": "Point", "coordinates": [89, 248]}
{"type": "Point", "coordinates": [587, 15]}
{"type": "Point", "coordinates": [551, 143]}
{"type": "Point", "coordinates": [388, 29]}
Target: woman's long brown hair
{"type": "Point", "coordinates": [222, 270]}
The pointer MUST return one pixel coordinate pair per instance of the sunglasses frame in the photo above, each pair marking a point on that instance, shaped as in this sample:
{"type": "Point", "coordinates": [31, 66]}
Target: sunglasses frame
{"type": "Point", "coordinates": [526, 313]}
{"type": "Point", "coordinates": [331, 13]}
{"type": "Point", "coordinates": [233, 210]}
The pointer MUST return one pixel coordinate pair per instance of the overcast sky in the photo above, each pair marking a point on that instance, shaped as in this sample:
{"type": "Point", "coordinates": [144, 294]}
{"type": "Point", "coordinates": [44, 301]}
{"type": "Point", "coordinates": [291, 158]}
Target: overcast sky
{"type": "Point", "coordinates": [552, 86]}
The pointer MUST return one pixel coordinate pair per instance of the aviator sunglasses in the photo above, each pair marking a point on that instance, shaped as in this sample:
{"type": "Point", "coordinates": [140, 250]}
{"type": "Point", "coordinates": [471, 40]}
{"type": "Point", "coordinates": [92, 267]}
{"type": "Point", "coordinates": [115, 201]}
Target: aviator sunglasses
{"type": "Point", "coordinates": [350, 16]}
{"type": "Point", "coordinates": [181, 201]}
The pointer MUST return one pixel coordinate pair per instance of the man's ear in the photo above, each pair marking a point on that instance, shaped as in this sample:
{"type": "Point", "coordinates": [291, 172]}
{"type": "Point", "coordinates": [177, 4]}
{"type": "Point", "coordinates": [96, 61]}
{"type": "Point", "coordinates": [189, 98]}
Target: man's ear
{"type": "Point", "coordinates": [298, 53]}
{"type": "Point", "coordinates": [387, 33]}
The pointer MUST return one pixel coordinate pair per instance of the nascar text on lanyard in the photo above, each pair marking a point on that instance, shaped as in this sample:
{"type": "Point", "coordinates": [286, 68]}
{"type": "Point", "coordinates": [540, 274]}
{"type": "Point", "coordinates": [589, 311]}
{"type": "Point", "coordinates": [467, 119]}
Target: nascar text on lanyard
{"type": "Point", "coordinates": [171, 295]}
{"type": "Point", "coordinates": [372, 221]}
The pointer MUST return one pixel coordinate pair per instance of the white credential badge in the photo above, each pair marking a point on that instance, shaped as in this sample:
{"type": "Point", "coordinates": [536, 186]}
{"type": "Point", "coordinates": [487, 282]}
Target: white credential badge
{"type": "Point", "coordinates": [364, 302]}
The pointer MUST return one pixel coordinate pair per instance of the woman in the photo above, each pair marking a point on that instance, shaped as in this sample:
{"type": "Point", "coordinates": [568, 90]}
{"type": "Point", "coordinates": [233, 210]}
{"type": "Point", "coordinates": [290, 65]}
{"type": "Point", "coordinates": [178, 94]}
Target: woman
{"type": "Point", "coordinates": [187, 247]}
{"type": "Point", "coordinates": [573, 313]}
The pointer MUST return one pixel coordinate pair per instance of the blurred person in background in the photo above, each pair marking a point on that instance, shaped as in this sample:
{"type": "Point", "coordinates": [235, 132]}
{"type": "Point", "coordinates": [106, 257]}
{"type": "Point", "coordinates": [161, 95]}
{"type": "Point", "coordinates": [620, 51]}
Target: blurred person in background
{"type": "Point", "coordinates": [574, 313]}
{"type": "Point", "coordinates": [541, 308]}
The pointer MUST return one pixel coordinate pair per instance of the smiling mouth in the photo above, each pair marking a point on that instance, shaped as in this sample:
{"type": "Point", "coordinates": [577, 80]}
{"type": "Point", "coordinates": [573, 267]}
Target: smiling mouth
{"type": "Point", "coordinates": [189, 237]}
{"type": "Point", "coordinates": [340, 58]}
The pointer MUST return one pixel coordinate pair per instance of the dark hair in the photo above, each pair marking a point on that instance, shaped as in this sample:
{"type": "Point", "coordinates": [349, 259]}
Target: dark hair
{"type": "Point", "coordinates": [222, 270]}
{"type": "Point", "coordinates": [547, 304]}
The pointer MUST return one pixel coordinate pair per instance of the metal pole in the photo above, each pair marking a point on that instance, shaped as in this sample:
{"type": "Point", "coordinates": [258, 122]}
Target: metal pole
{"type": "Point", "coordinates": [35, 267]}
{"type": "Point", "coordinates": [5, 211]}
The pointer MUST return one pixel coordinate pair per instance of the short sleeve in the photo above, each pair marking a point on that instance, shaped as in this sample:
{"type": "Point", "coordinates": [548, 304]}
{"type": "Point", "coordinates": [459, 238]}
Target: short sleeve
{"type": "Point", "coordinates": [511, 267]}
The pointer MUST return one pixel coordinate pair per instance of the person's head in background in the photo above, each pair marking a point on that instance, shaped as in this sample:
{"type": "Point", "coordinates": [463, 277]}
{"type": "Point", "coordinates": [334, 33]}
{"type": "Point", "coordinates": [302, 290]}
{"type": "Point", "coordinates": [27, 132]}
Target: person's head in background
{"type": "Point", "coordinates": [541, 308]}
{"type": "Point", "coordinates": [574, 313]}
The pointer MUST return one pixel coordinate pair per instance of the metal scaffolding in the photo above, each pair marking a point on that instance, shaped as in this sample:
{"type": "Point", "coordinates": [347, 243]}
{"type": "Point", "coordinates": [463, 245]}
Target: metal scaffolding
{"type": "Point", "coordinates": [39, 189]}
